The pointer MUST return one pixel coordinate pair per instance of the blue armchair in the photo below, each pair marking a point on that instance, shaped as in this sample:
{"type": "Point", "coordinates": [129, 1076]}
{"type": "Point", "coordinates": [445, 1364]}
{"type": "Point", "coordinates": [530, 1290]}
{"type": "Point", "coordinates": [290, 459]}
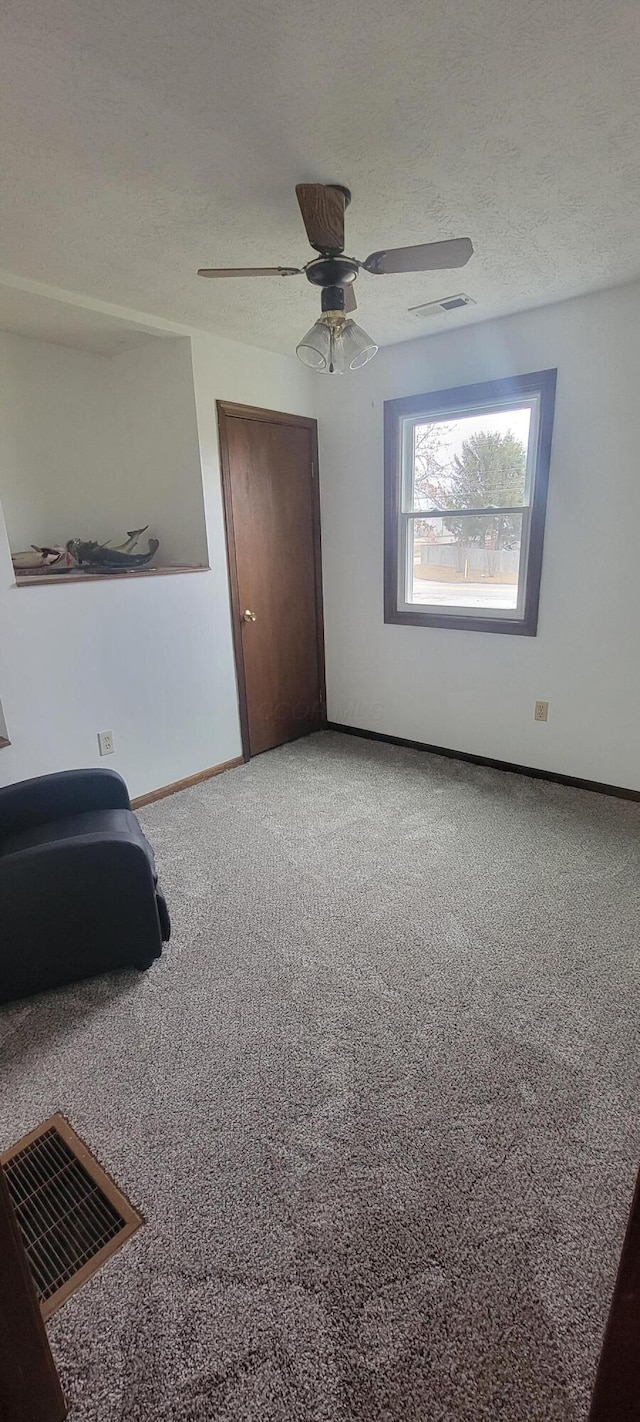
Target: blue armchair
{"type": "Point", "coordinates": [78, 885]}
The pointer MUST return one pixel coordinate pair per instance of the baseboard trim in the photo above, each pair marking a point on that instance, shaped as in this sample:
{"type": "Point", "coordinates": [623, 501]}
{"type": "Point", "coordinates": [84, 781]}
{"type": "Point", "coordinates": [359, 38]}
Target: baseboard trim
{"type": "Point", "coordinates": [185, 784]}
{"type": "Point", "coordinates": [556, 777]}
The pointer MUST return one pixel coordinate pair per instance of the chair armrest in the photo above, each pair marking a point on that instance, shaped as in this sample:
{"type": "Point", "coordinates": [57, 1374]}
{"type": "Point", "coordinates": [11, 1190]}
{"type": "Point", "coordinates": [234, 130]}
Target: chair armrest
{"type": "Point", "coordinates": [73, 908]}
{"type": "Point", "coordinates": [55, 797]}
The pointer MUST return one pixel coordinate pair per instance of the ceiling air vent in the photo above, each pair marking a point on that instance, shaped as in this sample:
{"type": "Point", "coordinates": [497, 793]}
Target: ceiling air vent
{"type": "Point", "coordinates": [448, 303]}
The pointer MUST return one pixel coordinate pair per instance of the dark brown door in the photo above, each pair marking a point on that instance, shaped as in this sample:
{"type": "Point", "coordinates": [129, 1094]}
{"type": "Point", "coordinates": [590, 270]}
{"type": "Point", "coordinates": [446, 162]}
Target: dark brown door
{"type": "Point", "coordinates": [29, 1387]}
{"type": "Point", "coordinates": [269, 466]}
{"type": "Point", "coordinates": [616, 1394]}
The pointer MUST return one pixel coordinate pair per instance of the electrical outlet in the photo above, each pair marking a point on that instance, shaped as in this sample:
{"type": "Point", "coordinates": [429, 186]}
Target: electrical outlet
{"type": "Point", "coordinates": [541, 711]}
{"type": "Point", "coordinates": [105, 742]}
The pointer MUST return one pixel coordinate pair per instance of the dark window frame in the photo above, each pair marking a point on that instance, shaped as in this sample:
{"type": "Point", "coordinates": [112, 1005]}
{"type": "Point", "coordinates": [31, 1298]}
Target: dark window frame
{"type": "Point", "coordinates": [444, 402]}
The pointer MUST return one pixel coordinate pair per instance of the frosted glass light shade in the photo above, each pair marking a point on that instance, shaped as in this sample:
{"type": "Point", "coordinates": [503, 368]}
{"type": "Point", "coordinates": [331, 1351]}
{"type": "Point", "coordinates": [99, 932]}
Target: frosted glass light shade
{"type": "Point", "coordinates": [357, 345]}
{"type": "Point", "coordinates": [313, 349]}
{"type": "Point", "coordinates": [331, 350]}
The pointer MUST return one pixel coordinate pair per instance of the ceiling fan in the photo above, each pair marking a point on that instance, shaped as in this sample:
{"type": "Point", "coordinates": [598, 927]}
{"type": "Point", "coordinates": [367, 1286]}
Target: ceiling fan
{"type": "Point", "coordinates": [335, 343]}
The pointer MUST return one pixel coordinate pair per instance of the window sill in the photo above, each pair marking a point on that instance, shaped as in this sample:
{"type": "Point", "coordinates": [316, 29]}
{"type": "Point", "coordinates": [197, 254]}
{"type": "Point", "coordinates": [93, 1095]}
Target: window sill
{"type": "Point", "coordinates": [35, 580]}
{"type": "Point", "coordinates": [526, 627]}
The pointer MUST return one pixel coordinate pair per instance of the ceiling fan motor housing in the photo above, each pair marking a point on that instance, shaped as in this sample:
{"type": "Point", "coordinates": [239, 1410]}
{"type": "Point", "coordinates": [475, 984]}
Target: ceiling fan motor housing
{"type": "Point", "coordinates": [332, 299]}
{"type": "Point", "coordinates": [331, 271]}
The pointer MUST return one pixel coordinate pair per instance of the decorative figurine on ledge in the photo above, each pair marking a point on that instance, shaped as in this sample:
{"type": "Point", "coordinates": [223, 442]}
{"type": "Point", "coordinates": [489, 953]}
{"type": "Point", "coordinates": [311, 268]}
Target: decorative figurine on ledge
{"type": "Point", "coordinates": [85, 556]}
{"type": "Point", "coordinates": [133, 538]}
{"type": "Point", "coordinates": [42, 560]}
{"type": "Point", "coordinates": [100, 558]}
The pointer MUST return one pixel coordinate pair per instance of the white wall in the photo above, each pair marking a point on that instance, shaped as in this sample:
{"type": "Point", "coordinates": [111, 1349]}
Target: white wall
{"type": "Point", "coordinates": [151, 659]}
{"type": "Point", "coordinates": [475, 691]}
{"type": "Point", "coordinates": [92, 446]}
{"type": "Point", "coordinates": [158, 478]}
{"type": "Point", "coordinates": [57, 439]}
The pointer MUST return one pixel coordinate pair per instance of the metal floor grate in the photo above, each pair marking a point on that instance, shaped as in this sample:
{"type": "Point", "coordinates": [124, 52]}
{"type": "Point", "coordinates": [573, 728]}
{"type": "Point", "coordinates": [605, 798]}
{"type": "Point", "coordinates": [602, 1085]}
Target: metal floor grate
{"type": "Point", "coordinates": [71, 1215]}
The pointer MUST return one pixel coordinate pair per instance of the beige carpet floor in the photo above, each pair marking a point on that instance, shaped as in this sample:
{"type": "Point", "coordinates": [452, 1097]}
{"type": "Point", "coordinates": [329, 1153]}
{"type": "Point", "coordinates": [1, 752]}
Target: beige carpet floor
{"type": "Point", "coordinates": [379, 1101]}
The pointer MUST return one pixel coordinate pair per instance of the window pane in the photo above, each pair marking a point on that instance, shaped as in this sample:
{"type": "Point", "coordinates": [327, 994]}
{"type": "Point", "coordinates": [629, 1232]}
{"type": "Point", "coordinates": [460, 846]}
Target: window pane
{"type": "Point", "coordinates": [471, 562]}
{"type": "Point", "coordinates": [471, 462]}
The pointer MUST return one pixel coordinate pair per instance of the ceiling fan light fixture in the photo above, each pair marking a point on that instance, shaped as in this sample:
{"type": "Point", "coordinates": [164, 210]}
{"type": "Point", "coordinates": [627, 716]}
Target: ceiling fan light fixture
{"type": "Point", "coordinates": [359, 348]}
{"type": "Point", "coordinates": [314, 347]}
{"type": "Point", "coordinates": [334, 345]}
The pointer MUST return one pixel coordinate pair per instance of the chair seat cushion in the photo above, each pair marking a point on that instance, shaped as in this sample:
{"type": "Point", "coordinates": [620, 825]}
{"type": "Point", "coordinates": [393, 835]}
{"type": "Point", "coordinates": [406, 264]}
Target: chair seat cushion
{"type": "Point", "coordinates": [113, 824]}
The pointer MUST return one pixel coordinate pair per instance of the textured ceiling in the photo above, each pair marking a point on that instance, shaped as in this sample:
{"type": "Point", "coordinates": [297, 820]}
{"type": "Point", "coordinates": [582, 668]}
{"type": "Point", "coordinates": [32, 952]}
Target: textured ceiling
{"type": "Point", "coordinates": [145, 138]}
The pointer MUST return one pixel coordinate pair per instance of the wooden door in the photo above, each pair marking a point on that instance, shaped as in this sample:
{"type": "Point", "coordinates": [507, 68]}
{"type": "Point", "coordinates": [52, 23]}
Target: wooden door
{"type": "Point", "coordinates": [269, 470]}
{"type": "Point", "coordinates": [29, 1387]}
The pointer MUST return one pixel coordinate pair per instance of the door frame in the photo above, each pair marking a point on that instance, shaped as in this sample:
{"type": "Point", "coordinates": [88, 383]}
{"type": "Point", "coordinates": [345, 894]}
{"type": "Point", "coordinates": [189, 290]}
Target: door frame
{"type": "Point", "coordinates": [226, 409]}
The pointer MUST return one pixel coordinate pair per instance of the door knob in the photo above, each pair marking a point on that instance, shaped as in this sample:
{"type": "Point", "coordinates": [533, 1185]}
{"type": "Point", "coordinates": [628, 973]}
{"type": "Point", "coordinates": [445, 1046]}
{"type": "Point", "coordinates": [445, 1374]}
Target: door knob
{"type": "Point", "coordinates": [248, 616]}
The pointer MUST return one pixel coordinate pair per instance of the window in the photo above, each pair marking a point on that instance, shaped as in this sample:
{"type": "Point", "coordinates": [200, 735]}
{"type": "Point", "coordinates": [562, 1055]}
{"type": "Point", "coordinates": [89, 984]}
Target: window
{"type": "Point", "coordinates": [466, 475]}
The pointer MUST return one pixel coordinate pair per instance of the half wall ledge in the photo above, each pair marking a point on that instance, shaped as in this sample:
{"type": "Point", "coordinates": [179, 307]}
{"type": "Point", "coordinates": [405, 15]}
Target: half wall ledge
{"type": "Point", "coordinates": [49, 579]}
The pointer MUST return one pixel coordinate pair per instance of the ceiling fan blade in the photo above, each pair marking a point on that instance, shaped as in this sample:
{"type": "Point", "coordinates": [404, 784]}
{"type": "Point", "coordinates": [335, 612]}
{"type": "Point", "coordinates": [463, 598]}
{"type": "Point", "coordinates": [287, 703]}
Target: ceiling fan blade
{"type": "Point", "coordinates": [350, 302]}
{"type": "Point", "coordinates": [248, 271]}
{"type": "Point", "coordinates": [428, 257]}
{"type": "Point", "coordinates": [322, 208]}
